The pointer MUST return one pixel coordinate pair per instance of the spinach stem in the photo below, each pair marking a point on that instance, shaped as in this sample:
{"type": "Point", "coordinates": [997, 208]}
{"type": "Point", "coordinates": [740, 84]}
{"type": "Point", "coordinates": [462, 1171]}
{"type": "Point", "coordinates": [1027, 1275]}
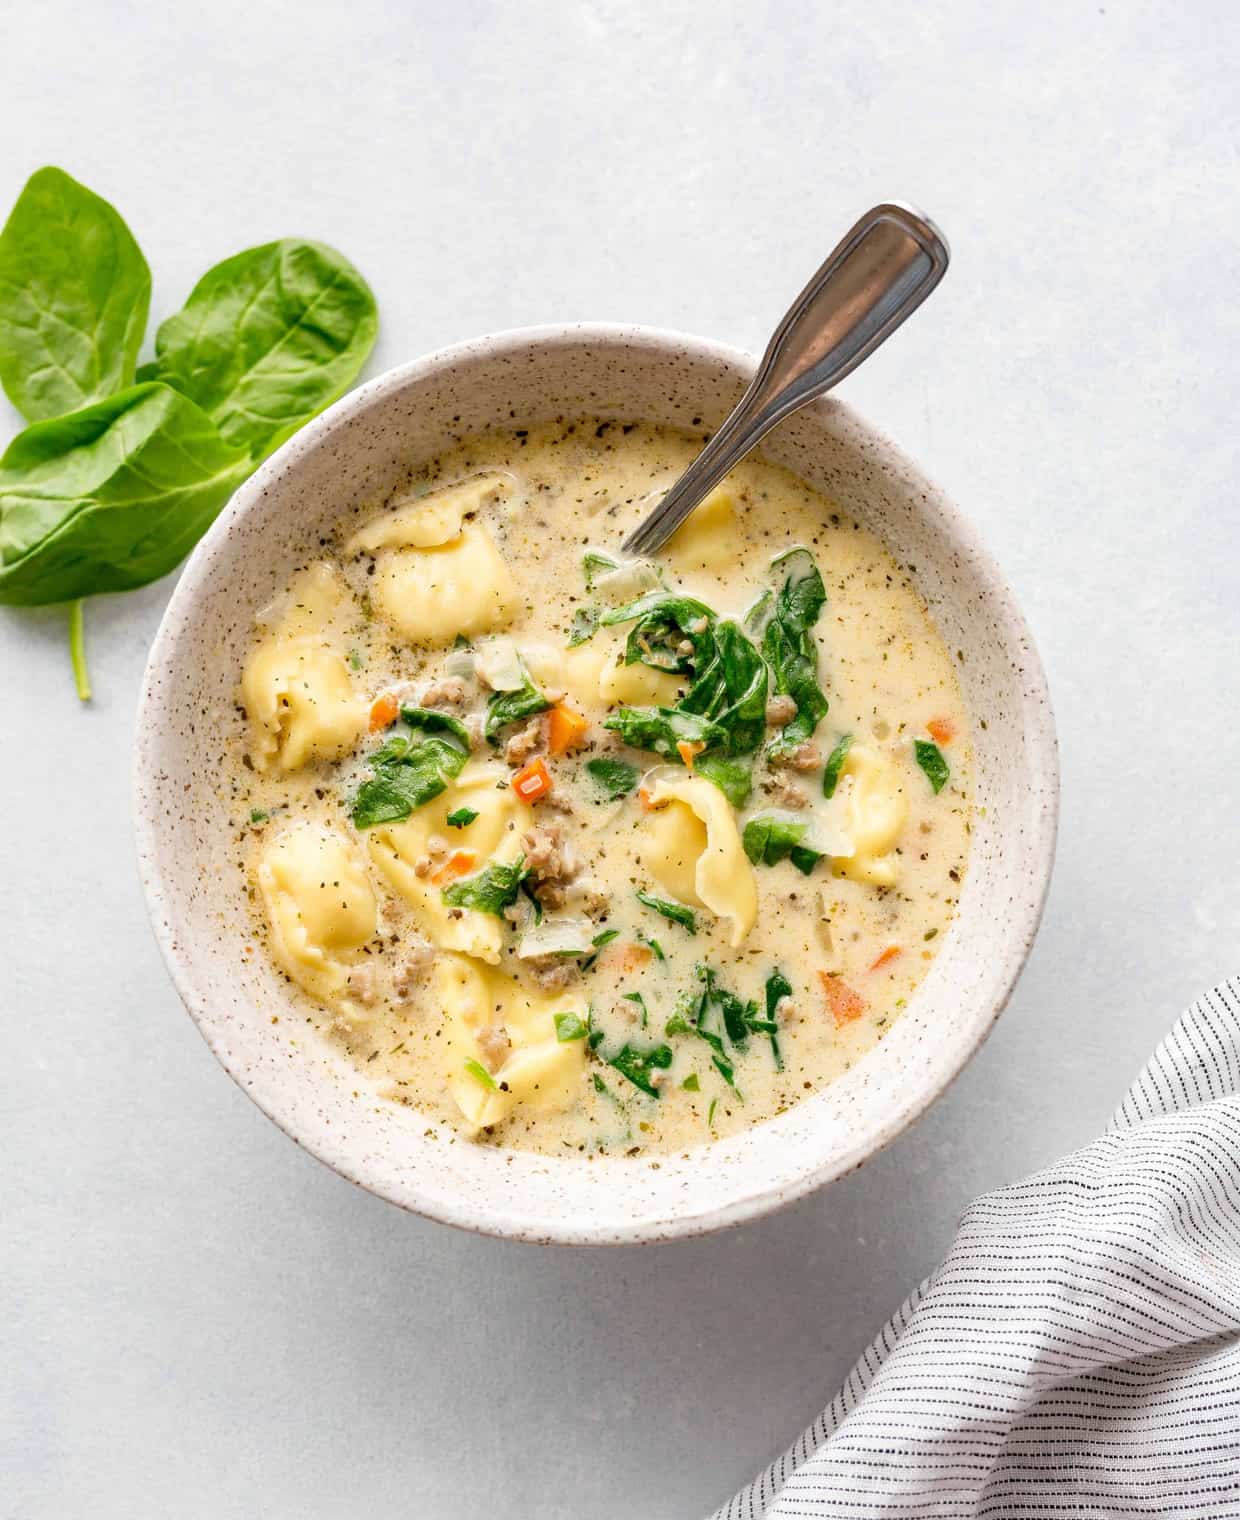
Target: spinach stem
{"type": "Point", "coordinates": [77, 650]}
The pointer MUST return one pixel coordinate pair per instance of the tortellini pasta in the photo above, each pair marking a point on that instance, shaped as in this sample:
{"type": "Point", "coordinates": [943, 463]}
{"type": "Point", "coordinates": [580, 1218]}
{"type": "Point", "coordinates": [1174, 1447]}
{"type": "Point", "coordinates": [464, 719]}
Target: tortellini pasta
{"type": "Point", "coordinates": [295, 686]}
{"type": "Point", "coordinates": [693, 849]}
{"type": "Point", "coordinates": [428, 521]}
{"type": "Point", "coordinates": [494, 835]}
{"type": "Point", "coordinates": [594, 676]}
{"type": "Point", "coordinates": [874, 811]}
{"type": "Point", "coordinates": [537, 1071]}
{"type": "Point", "coordinates": [706, 540]}
{"type": "Point", "coordinates": [433, 594]}
{"type": "Point", "coordinates": [320, 906]}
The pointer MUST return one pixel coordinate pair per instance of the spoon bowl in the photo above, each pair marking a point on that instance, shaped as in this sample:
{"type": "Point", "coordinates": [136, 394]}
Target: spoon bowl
{"type": "Point", "coordinates": [876, 277]}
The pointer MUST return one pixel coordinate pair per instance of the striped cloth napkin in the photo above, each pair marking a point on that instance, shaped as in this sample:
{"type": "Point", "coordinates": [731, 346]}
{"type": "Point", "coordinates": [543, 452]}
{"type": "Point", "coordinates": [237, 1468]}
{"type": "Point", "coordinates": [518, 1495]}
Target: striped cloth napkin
{"type": "Point", "coordinates": [1078, 1352]}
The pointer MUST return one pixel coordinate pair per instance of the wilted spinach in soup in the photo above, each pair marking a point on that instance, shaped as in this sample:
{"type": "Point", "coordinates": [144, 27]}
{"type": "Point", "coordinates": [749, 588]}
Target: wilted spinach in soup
{"type": "Point", "coordinates": [589, 854]}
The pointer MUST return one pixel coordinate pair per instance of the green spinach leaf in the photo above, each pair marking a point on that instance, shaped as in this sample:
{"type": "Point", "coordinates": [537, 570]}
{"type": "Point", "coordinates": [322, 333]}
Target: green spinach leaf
{"type": "Point", "coordinates": [778, 987]}
{"type": "Point", "coordinates": [638, 1065]}
{"type": "Point", "coordinates": [491, 890]}
{"type": "Point", "coordinates": [789, 648]}
{"type": "Point", "coordinates": [569, 1027]}
{"type": "Point", "coordinates": [835, 766]}
{"type": "Point", "coordinates": [407, 775]}
{"type": "Point", "coordinates": [768, 839]}
{"type": "Point", "coordinates": [584, 626]}
{"type": "Point", "coordinates": [109, 497]}
{"type": "Point", "coordinates": [507, 707]}
{"type": "Point", "coordinates": [616, 778]}
{"type": "Point", "coordinates": [930, 758]}
{"type": "Point", "coordinates": [74, 296]}
{"type": "Point", "coordinates": [595, 564]}
{"type": "Point", "coordinates": [661, 729]}
{"type": "Point", "coordinates": [267, 339]}
{"type": "Point", "coordinates": [676, 912]}
{"type": "Point", "coordinates": [462, 817]}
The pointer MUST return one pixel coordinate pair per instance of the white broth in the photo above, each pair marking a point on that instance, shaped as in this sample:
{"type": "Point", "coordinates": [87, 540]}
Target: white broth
{"type": "Point", "coordinates": [584, 854]}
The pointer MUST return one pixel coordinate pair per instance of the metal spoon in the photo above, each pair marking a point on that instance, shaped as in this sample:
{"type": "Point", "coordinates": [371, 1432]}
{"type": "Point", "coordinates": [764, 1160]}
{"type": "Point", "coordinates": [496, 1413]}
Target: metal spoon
{"type": "Point", "coordinates": [878, 275]}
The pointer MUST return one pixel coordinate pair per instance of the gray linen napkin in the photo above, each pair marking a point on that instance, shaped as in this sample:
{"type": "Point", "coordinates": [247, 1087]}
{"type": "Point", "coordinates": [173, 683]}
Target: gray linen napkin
{"type": "Point", "coordinates": [1078, 1352]}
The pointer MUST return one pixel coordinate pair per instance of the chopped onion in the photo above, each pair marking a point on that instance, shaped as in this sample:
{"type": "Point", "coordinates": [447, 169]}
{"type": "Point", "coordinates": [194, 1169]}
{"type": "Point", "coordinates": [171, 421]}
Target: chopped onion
{"type": "Point", "coordinates": [557, 936]}
{"type": "Point", "coordinates": [627, 580]}
{"type": "Point", "coordinates": [499, 665]}
{"type": "Point", "coordinates": [460, 662]}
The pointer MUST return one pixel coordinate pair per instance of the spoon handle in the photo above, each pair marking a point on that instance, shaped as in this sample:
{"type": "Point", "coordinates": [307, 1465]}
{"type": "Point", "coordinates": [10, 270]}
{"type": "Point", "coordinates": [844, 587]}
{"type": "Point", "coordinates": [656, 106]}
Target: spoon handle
{"type": "Point", "coordinates": [879, 274]}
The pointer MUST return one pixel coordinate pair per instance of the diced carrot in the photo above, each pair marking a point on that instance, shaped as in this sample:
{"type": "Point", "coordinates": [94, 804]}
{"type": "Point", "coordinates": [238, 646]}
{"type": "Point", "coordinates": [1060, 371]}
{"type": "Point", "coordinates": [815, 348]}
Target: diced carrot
{"type": "Point", "coordinates": [566, 729]}
{"type": "Point", "coordinates": [628, 955]}
{"type": "Point", "coordinates": [887, 956]}
{"type": "Point", "coordinates": [941, 729]}
{"type": "Point", "coordinates": [459, 863]}
{"type": "Point", "coordinates": [532, 781]}
{"type": "Point", "coordinates": [645, 798]}
{"type": "Point", "coordinates": [845, 1004]}
{"type": "Point", "coordinates": [689, 750]}
{"type": "Point", "coordinates": [384, 712]}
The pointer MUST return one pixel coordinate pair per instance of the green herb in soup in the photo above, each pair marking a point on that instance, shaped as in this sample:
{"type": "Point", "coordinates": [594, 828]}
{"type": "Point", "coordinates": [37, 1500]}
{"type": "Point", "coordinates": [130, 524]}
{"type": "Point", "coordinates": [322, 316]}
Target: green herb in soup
{"type": "Point", "coordinates": [609, 853]}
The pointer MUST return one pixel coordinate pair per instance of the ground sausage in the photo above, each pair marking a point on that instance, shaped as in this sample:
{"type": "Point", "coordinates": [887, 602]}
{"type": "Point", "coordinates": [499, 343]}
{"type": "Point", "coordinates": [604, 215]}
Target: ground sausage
{"type": "Point", "coordinates": [412, 967]}
{"type": "Point", "coordinates": [450, 692]}
{"type": "Point", "coordinates": [780, 710]}
{"type": "Point", "coordinates": [805, 756]}
{"type": "Point", "coordinates": [494, 1044]}
{"type": "Point", "coordinates": [553, 972]}
{"type": "Point", "coordinates": [526, 741]}
{"type": "Point", "coordinates": [786, 793]}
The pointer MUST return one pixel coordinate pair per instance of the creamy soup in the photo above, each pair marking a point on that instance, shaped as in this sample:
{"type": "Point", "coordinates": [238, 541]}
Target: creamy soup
{"type": "Point", "coordinates": [581, 853]}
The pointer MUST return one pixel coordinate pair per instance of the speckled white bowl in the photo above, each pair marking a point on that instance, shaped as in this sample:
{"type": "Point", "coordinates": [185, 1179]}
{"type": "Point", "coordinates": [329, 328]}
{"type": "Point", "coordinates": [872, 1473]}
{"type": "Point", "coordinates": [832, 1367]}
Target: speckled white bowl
{"type": "Point", "coordinates": [359, 449]}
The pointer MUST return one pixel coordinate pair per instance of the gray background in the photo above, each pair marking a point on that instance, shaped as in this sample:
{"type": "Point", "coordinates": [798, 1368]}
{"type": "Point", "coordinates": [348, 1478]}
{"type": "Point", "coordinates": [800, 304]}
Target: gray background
{"type": "Point", "coordinates": [200, 1320]}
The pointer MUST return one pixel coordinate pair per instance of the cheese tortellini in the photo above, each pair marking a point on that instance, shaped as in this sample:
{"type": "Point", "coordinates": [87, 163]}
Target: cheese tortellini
{"type": "Point", "coordinates": [874, 811]}
{"type": "Point", "coordinates": [594, 676]}
{"type": "Point", "coordinates": [295, 687]}
{"type": "Point", "coordinates": [437, 575]}
{"type": "Point", "coordinates": [706, 540]}
{"type": "Point", "coordinates": [428, 521]}
{"type": "Point", "coordinates": [320, 906]}
{"type": "Point", "coordinates": [537, 1069]}
{"type": "Point", "coordinates": [494, 835]}
{"type": "Point", "coordinates": [431, 595]}
{"type": "Point", "coordinates": [693, 850]}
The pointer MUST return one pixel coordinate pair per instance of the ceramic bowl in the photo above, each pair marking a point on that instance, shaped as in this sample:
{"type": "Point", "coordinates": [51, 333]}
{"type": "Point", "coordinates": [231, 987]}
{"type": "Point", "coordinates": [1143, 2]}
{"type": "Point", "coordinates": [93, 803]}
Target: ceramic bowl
{"type": "Point", "coordinates": [359, 450]}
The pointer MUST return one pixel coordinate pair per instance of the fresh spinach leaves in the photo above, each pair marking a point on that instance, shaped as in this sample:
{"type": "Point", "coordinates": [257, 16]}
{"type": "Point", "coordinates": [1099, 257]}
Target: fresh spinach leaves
{"type": "Point", "coordinates": [74, 296]}
{"type": "Point", "coordinates": [461, 818]}
{"type": "Point", "coordinates": [640, 1065]}
{"type": "Point", "coordinates": [676, 912]}
{"type": "Point", "coordinates": [122, 470]}
{"type": "Point", "coordinates": [594, 565]}
{"type": "Point", "coordinates": [491, 891]}
{"type": "Point", "coordinates": [407, 774]}
{"type": "Point", "coordinates": [110, 497]}
{"type": "Point", "coordinates": [835, 766]}
{"type": "Point", "coordinates": [788, 644]}
{"type": "Point", "coordinates": [507, 707]}
{"type": "Point", "coordinates": [267, 339]}
{"type": "Point", "coordinates": [615, 778]}
{"type": "Point", "coordinates": [723, 713]}
{"type": "Point", "coordinates": [584, 626]}
{"type": "Point", "coordinates": [930, 758]}
{"type": "Point", "coordinates": [569, 1027]}
{"type": "Point", "coordinates": [778, 987]}
{"type": "Point", "coordinates": [722, 1021]}
{"type": "Point", "coordinates": [769, 838]}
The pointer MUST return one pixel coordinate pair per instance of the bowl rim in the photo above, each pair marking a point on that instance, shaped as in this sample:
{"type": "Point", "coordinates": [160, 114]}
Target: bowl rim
{"type": "Point", "coordinates": [499, 1218]}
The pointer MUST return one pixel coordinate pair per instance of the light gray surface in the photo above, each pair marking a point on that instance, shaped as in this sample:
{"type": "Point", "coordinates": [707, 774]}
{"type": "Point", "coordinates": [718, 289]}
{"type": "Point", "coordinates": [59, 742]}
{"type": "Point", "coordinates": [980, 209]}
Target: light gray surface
{"type": "Point", "coordinates": [200, 1320]}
